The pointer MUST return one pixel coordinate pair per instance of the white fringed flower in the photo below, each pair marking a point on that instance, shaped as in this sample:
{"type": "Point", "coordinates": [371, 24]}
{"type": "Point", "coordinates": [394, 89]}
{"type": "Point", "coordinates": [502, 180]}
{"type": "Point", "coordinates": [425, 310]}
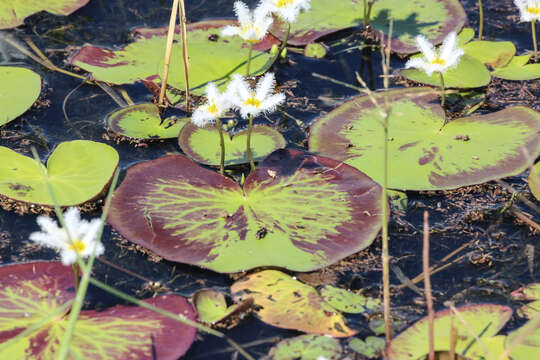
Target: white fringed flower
{"type": "Point", "coordinates": [83, 235]}
{"type": "Point", "coordinates": [253, 25]}
{"type": "Point", "coordinates": [254, 101]}
{"type": "Point", "coordinates": [529, 9]}
{"type": "Point", "coordinates": [432, 61]}
{"type": "Point", "coordinates": [287, 9]}
{"type": "Point", "coordinates": [215, 107]}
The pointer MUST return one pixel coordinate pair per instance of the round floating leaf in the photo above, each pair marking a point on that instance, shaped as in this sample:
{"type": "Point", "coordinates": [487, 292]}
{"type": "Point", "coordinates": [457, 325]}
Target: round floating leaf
{"type": "Point", "coordinates": [529, 292]}
{"type": "Point", "coordinates": [214, 57]}
{"type": "Point", "coordinates": [212, 306]}
{"type": "Point", "coordinates": [297, 211]}
{"type": "Point", "coordinates": [469, 73]}
{"type": "Point", "coordinates": [13, 12]}
{"type": "Point", "coordinates": [496, 54]}
{"type": "Point", "coordinates": [432, 18]}
{"type": "Point", "coordinates": [534, 181]}
{"type": "Point", "coordinates": [371, 348]}
{"type": "Point", "coordinates": [202, 144]}
{"type": "Point", "coordinates": [19, 89]}
{"type": "Point", "coordinates": [78, 171]}
{"type": "Point", "coordinates": [32, 292]}
{"type": "Point", "coordinates": [287, 303]}
{"type": "Point", "coordinates": [347, 301]}
{"type": "Point", "coordinates": [484, 320]}
{"type": "Point", "coordinates": [306, 347]}
{"type": "Point", "coordinates": [524, 343]}
{"type": "Point", "coordinates": [518, 69]}
{"type": "Point", "coordinates": [315, 50]}
{"type": "Point", "coordinates": [422, 156]}
{"type": "Point", "coordinates": [143, 121]}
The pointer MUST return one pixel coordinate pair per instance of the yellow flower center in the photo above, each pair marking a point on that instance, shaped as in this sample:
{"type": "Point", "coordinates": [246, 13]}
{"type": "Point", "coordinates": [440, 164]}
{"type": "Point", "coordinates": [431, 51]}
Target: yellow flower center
{"type": "Point", "coordinates": [438, 61]}
{"type": "Point", "coordinates": [534, 10]}
{"type": "Point", "coordinates": [212, 108]}
{"type": "Point", "coordinates": [77, 246]}
{"type": "Point", "coordinates": [253, 102]}
{"type": "Point", "coordinates": [283, 3]}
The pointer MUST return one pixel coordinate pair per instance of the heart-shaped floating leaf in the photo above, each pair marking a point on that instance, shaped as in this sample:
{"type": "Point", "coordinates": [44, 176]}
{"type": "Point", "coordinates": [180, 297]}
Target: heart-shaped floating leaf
{"type": "Point", "coordinates": [13, 12]}
{"type": "Point", "coordinates": [78, 171]}
{"type": "Point", "coordinates": [496, 54]}
{"type": "Point", "coordinates": [484, 321]}
{"type": "Point", "coordinates": [19, 89]}
{"type": "Point", "coordinates": [469, 73]}
{"type": "Point", "coordinates": [349, 302]}
{"type": "Point", "coordinates": [518, 69]}
{"type": "Point", "coordinates": [30, 293]}
{"type": "Point", "coordinates": [287, 303]}
{"type": "Point", "coordinates": [422, 156]}
{"type": "Point", "coordinates": [524, 343]}
{"type": "Point", "coordinates": [202, 144]}
{"type": "Point", "coordinates": [529, 292]}
{"type": "Point", "coordinates": [431, 18]}
{"type": "Point", "coordinates": [214, 57]}
{"type": "Point", "coordinates": [212, 306]}
{"type": "Point", "coordinates": [306, 347]}
{"type": "Point", "coordinates": [143, 121]}
{"type": "Point", "coordinates": [296, 211]}
{"type": "Point", "coordinates": [534, 180]}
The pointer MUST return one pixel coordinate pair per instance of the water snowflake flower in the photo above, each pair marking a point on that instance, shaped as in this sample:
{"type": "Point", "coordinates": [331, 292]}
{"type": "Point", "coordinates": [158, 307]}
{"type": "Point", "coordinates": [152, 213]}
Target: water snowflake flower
{"type": "Point", "coordinates": [215, 107]}
{"type": "Point", "coordinates": [287, 9]}
{"type": "Point", "coordinates": [253, 25]}
{"type": "Point", "coordinates": [529, 9]}
{"type": "Point", "coordinates": [432, 61]}
{"type": "Point", "coordinates": [83, 235]}
{"type": "Point", "coordinates": [252, 102]}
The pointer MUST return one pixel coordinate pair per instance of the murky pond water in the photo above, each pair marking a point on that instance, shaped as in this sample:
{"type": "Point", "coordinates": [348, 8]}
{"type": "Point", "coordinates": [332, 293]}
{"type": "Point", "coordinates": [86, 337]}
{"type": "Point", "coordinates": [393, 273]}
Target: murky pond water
{"type": "Point", "coordinates": [494, 262]}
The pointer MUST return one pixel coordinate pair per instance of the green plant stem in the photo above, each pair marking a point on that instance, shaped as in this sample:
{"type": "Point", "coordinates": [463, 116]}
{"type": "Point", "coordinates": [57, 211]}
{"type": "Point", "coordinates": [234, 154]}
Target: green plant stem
{"type": "Point", "coordinates": [75, 268]}
{"type": "Point", "coordinates": [370, 6]}
{"type": "Point", "coordinates": [481, 21]}
{"type": "Point", "coordinates": [535, 45]}
{"type": "Point", "coordinates": [222, 145]}
{"type": "Point", "coordinates": [250, 155]}
{"type": "Point", "coordinates": [442, 90]}
{"type": "Point", "coordinates": [249, 58]}
{"type": "Point", "coordinates": [170, 315]}
{"type": "Point", "coordinates": [365, 13]}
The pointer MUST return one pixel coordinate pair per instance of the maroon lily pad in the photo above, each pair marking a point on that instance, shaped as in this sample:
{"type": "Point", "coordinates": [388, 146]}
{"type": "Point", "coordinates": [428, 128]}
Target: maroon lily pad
{"type": "Point", "coordinates": [296, 211]}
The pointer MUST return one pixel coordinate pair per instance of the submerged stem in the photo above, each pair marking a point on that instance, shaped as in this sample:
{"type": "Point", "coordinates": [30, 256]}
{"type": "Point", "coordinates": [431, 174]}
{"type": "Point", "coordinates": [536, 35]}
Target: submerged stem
{"type": "Point", "coordinates": [250, 156]}
{"type": "Point", "coordinates": [535, 45]}
{"type": "Point", "coordinates": [481, 21]}
{"type": "Point", "coordinates": [222, 144]}
{"type": "Point", "coordinates": [249, 58]}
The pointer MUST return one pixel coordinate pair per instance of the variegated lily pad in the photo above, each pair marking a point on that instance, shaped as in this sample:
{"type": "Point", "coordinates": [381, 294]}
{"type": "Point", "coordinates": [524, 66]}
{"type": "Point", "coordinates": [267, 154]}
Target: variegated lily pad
{"type": "Point", "coordinates": [529, 292]}
{"type": "Point", "coordinates": [143, 121]}
{"type": "Point", "coordinates": [19, 89]}
{"type": "Point", "coordinates": [287, 303]}
{"type": "Point", "coordinates": [203, 145]}
{"type": "Point", "coordinates": [296, 211]}
{"type": "Point", "coordinates": [431, 18]}
{"type": "Point", "coordinates": [214, 57]}
{"type": "Point", "coordinates": [30, 292]}
{"type": "Point", "coordinates": [424, 154]}
{"type": "Point", "coordinates": [13, 12]}
{"type": "Point", "coordinates": [306, 347]}
{"type": "Point", "coordinates": [349, 302]}
{"type": "Point", "coordinates": [534, 180]}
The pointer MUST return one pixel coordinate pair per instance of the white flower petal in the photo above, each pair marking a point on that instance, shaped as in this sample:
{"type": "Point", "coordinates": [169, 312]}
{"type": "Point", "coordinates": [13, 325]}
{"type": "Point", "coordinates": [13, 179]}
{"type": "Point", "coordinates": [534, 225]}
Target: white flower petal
{"type": "Point", "coordinates": [425, 47]}
{"type": "Point", "coordinates": [68, 257]}
{"type": "Point", "coordinates": [417, 62]}
{"type": "Point", "coordinates": [449, 45]}
{"type": "Point", "coordinates": [230, 30]}
{"type": "Point", "coordinates": [242, 12]}
{"type": "Point", "coordinates": [271, 103]}
{"type": "Point", "coordinates": [265, 86]}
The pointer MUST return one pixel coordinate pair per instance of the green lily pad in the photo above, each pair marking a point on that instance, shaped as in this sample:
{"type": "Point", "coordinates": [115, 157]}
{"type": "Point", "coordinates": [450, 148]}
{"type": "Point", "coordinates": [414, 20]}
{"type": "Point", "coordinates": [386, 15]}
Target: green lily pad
{"type": "Point", "coordinates": [212, 306]}
{"type": "Point", "coordinates": [13, 12]}
{"type": "Point", "coordinates": [529, 292]}
{"type": "Point", "coordinates": [432, 18]}
{"type": "Point", "coordinates": [78, 171]}
{"type": "Point", "coordinates": [306, 347]}
{"type": "Point", "coordinates": [202, 144]}
{"type": "Point", "coordinates": [464, 36]}
{"type": "Point", "coordinates": [524, 343]}
{"type": "Point", "coordinates": [31, 292]}
{"type": "Point", "coordinates": [496, 54]}
{"type": "Point", "coordinates": [349, 302]}
{"type": "Point", "coordinates": [19, 89]}
{"type": "Point", "coordinates": [214, 57]}
{"type": "Point", "coordinates": [315, 50]}
{"type": "Point", "coordinates": [193, 215]}
{"type": "Point", "coordinates": [422, 156]}
{"type": "Point", "coordinates": [285, 302]}
{"type": "Point", "coordinates": [518, 69]}
{"type": "Point", "coordinates": [372, 347]}
{"type": "Point", "coordinates": [469, 73]}
{"type": "Point", "coordinates": [484, 321]}
{"type": "Point", "coordinates": [143, 121]}
{"type": "Point", "coordinates": [534, 180]}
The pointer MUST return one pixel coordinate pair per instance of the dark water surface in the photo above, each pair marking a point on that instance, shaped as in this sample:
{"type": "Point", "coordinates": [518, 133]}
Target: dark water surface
{"type": "Point", "coordinates": [492, 266]}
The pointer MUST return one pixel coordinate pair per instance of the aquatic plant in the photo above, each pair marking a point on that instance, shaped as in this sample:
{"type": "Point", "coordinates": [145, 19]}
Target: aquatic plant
{"type": "Point", "coordinates": [530, 12]}
{"type": "Point", "coordinates": [19, 89]}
